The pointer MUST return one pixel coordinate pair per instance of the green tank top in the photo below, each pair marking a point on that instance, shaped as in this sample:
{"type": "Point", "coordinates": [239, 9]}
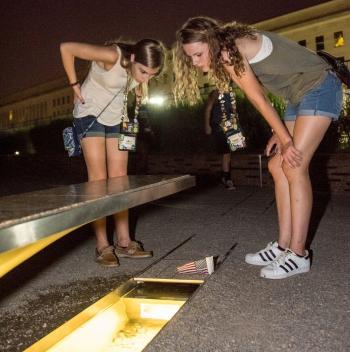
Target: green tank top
{"type": "Point", "coordinates": [290, 70]}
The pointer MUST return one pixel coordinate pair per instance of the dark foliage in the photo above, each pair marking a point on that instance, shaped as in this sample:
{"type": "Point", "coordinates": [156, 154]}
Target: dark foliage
{"type": "Point", "coordinates": [179, 130]}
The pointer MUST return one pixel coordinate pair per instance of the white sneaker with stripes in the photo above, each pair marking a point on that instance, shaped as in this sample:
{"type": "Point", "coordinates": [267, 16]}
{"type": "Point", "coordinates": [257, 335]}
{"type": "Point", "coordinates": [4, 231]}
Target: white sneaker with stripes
{"type": "Point", "coordinates": [265, 256]}
{"type": "Point", "coordinates": [287, 264]}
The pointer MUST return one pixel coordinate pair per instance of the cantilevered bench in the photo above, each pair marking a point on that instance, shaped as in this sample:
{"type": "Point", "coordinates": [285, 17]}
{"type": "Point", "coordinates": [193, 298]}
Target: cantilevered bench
{"type": "Point", "coordinates": [31, 221]}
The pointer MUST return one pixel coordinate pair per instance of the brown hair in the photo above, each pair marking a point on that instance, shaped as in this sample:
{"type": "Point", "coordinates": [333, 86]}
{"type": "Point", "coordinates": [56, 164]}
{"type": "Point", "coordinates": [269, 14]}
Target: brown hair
{"type": "Point", "coordinates": [148, 52]}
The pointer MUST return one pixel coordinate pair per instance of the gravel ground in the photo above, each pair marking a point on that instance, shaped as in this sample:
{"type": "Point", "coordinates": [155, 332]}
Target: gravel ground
{"type": "Point", "coordinates": [53, 306]}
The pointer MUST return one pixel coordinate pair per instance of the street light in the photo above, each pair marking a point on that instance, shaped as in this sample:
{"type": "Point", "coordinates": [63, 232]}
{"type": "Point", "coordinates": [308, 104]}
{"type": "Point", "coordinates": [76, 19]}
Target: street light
{"type": "Point", "coordinates": [156, 100]}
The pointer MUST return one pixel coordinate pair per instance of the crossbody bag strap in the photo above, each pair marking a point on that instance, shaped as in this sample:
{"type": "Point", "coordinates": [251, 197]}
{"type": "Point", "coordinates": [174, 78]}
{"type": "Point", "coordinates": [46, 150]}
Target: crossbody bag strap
{"type": "Point", "coordinates": [95, 119]}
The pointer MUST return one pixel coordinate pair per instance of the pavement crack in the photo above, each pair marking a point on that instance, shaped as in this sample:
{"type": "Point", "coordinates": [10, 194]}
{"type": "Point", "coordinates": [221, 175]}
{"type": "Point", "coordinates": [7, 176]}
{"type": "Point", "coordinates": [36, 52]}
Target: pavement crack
{"type": "Point", "coordinates": [237, 204]}
{"type": "Point", "coordinates": [272, 202]}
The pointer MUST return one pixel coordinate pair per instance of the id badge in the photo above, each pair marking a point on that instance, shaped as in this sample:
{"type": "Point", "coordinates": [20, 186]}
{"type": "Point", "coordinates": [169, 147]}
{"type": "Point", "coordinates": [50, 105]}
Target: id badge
{"type": "Point", "coordinates": [127, 142]}
{"type": "Point", "coordinates": [236, 141]}
{"type": "Point", "coordinates": [130, 127]}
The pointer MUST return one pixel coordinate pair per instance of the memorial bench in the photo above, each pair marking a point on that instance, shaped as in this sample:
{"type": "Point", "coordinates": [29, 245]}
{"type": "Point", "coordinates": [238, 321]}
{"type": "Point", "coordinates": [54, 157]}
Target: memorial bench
{"type": "Point", "coordinates": [31, 221]}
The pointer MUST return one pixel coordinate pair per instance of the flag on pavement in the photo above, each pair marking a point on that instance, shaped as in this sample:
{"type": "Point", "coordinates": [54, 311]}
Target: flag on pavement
{"type": "Point", "coordinates": [202, 266]}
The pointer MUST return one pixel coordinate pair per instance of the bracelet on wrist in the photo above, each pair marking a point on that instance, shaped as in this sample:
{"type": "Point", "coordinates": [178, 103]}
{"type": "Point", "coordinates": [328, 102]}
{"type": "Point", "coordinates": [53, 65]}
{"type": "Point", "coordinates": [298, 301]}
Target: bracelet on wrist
{"type": "Point", "coordinates": [74, 84]}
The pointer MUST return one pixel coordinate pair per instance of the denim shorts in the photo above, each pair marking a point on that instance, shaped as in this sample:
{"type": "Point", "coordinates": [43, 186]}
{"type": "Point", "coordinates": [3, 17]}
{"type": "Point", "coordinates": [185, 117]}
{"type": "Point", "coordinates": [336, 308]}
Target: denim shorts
{"type": "Point", "coordinates": [323, 100]}
{"type": "Point", "coordinates": [96, 129]}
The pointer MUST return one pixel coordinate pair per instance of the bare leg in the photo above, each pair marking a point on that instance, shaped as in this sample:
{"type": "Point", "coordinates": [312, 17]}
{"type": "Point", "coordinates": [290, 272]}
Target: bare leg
{"type": "Point", "coordinates": [226, 162]}
{"type": "Point", "coordinates": [94, 150]}
{"type": "Point", "coordinates": [308, 133]}
{"type": "Point", "coordinates": [282, 196]}
{"type": "Point", "coordinates": [117, 164]}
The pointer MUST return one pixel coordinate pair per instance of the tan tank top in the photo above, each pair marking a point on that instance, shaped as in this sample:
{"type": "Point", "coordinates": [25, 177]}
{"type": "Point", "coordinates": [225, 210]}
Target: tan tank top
{"type": "Point", "coordinates": [99, 88]}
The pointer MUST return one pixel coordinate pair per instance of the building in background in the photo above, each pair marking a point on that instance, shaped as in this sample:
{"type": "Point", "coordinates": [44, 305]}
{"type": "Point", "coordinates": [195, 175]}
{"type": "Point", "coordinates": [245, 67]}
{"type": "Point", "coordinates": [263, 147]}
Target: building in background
{"type": "Point", "coordinates": [36, 106]}
{"type": "Point", "coordinates": [321, 27]}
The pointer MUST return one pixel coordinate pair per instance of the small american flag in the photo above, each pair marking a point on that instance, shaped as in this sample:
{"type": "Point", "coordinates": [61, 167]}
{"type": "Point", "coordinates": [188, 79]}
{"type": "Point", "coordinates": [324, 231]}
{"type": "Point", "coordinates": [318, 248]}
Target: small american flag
{"type": "Point", "coordinates": [202, 266]}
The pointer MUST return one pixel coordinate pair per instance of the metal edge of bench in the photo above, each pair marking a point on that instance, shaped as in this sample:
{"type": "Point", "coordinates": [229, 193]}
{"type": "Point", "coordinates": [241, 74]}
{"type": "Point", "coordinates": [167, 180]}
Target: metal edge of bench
{"type": "Point", "coordinates": [28, 232]}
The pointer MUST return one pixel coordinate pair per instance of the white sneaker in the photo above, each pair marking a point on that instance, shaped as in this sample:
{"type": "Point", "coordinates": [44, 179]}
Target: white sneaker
{"type": "Point", "coordinates": [265, 256]}
{"type": "Point", "coordinates": [287, 264]}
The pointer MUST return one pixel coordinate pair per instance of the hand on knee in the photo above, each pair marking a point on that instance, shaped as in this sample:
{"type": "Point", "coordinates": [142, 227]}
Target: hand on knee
{"type": "Point", "coordinates": [294, 173]}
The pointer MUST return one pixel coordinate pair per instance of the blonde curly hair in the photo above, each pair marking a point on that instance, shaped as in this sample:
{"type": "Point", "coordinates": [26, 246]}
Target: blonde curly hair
{"type": "Point", "coordinates": [226, 36]}
{"type": "Point", "coordinates": [218, 37]}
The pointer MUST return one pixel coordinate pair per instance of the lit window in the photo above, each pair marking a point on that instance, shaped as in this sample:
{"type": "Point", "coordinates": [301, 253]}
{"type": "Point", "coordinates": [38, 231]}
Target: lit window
{"type": "Point", "coordinates": [319, 42]}
{"type": "Point", "coordinates": [339, 39]}
{"type": "Point", "coordinates": [302, 42]}
{"type": "Point", "coordinates": [10, 115]}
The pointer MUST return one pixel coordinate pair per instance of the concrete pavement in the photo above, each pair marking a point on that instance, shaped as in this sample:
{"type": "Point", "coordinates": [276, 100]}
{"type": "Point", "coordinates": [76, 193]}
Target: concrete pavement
{"type": "Point", "coordinates": [234, 310]}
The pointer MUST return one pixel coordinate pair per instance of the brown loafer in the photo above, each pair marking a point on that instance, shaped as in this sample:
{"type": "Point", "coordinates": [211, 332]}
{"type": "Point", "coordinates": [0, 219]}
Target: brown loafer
{"type": "Point", "coordinates": [133, 250]}
{"type": "Point", "coordinates": [106, 257]}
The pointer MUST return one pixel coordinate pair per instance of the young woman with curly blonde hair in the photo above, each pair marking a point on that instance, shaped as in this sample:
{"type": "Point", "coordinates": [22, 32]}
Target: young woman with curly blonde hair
{"type": "Point", "coordinates": [258, 61]}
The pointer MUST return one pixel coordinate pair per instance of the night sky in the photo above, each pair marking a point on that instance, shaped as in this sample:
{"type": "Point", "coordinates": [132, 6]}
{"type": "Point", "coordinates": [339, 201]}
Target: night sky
{"type": "Point", "coordinates": [31, 31]}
